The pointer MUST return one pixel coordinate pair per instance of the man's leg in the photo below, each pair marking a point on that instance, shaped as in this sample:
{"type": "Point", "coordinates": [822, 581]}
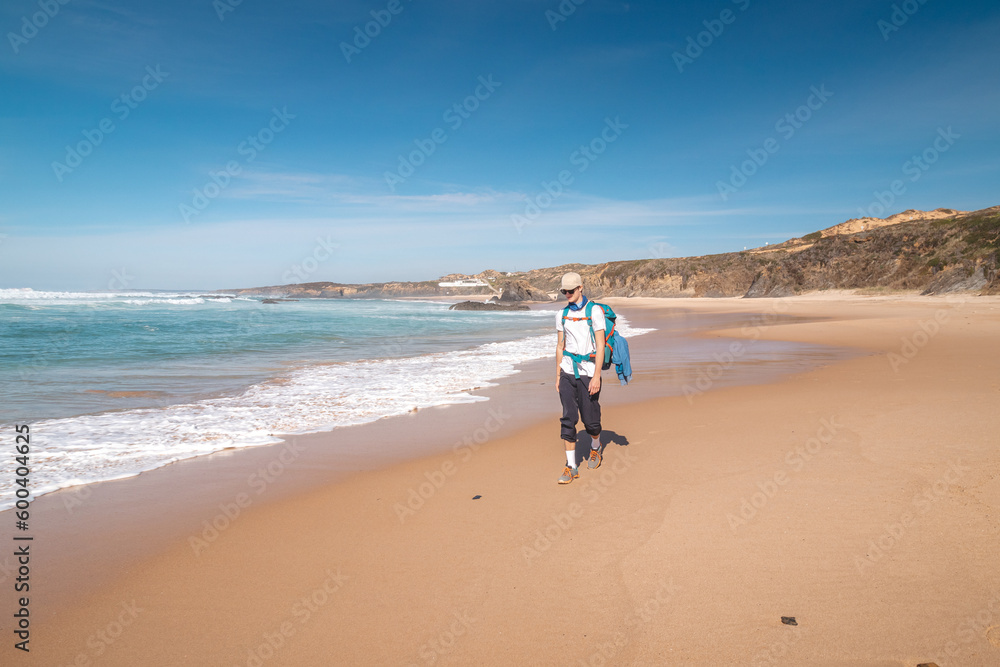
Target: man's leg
{"type": "Point", "coordinates": [590, 414]}
{"type": "Point", "coordinates": [568, 391]}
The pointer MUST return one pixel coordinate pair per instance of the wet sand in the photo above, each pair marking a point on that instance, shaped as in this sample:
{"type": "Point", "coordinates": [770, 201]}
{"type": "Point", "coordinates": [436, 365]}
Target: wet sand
{"type": "Point", "coordinates": [184, 496]}
{"type": "Point", "coordinates": [860, 497]}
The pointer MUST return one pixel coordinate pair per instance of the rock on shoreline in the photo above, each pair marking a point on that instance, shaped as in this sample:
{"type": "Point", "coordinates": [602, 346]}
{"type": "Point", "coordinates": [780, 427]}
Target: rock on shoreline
{"type": "Point", "coordinates": [479, 305]}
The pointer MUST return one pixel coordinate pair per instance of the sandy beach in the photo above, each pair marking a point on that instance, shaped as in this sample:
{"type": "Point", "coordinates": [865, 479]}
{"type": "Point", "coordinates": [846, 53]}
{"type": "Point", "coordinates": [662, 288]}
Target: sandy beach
{"type": "Point", "coordinates": [861, 497]}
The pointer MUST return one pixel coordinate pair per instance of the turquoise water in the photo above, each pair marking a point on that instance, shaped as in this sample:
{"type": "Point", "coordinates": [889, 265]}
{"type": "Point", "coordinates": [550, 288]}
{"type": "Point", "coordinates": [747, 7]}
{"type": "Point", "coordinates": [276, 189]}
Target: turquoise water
{"type": "Point", "coordinates": [113, 384]}
{"type": "Point", "coordinates": [65, 356]}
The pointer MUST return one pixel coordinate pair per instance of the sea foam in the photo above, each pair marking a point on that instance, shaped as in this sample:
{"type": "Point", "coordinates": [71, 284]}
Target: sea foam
{"type": "Point", "coordinates": [317, 397]}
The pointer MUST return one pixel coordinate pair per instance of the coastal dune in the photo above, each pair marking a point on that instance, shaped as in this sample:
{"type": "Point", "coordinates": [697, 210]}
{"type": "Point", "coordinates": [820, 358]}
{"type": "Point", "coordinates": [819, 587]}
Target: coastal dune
{"type": "Point", "coordinates": [861, 498]}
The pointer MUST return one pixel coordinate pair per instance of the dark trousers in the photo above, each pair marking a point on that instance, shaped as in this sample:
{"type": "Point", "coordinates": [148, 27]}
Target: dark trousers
{"type": "Point", "coordinates": [578, 404]}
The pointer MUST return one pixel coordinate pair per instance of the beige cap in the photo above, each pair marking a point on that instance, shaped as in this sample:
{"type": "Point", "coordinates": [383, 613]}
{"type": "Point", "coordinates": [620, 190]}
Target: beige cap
{"type": "Point", "coordinates": [571, 281]}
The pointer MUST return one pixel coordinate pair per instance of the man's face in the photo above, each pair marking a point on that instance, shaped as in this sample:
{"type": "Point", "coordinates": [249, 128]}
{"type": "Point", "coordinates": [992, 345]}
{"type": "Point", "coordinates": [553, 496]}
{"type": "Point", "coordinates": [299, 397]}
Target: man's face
{"type": "Point", "coordinates": [575, 295]}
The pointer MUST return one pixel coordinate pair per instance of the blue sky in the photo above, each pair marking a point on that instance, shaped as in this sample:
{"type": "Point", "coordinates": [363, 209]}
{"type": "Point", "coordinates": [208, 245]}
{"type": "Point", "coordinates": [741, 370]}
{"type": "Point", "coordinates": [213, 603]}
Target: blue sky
{"type": "Point", "coordinates": [157, 145]}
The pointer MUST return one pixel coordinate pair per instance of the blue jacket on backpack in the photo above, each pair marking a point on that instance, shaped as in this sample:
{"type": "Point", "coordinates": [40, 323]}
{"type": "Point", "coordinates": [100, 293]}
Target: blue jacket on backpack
{"type": "Point", "coordinates": [620, 358]}
{"type": "Point", "coordinates": [615, 345]}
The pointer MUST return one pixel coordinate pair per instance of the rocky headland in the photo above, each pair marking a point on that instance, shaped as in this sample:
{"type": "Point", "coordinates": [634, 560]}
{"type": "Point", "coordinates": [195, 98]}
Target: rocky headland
{"type": "Point", "coordinates": [930, 252]}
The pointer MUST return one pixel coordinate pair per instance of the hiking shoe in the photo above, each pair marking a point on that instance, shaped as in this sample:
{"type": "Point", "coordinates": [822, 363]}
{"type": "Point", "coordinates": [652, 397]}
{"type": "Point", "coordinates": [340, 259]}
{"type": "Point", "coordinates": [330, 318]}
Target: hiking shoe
{"type": "Point", "coordinates": [569, 474]}
{"type": "Point", "coordinates": [595, 459]}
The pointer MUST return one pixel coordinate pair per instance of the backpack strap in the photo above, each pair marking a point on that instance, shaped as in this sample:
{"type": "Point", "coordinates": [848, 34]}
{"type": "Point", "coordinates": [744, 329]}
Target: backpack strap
{"type": "Point", "coordinates": [609, 332]}
{"type": "Point", "coordinates": [589, 310]}
{"type": "Point", "coordinates": [578, 358]}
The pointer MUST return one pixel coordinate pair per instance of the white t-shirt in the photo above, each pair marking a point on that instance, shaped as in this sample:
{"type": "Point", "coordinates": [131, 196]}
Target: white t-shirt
{"type": "Point", "coordinates": [577, 337]}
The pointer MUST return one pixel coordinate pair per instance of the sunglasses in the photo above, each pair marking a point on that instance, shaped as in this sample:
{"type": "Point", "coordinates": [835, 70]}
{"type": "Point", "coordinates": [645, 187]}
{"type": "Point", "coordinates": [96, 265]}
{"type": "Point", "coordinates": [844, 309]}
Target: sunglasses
{"type": "Point", "coordinates": [567, 292]}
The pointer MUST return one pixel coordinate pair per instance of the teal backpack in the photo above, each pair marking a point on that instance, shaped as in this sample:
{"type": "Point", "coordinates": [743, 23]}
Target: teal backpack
{"type": "Point", "coordinates": [615, 346]}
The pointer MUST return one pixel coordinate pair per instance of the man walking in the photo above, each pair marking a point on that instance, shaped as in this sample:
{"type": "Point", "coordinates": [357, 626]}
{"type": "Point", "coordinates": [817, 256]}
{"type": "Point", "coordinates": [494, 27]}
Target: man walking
{"type": "Point", "coordinates": [578, 379]}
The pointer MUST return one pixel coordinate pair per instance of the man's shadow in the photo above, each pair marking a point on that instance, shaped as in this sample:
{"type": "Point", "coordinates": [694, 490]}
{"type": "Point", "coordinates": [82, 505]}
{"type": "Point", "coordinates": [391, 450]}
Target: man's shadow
{"type": "Point", "coordinates": [608, 438]}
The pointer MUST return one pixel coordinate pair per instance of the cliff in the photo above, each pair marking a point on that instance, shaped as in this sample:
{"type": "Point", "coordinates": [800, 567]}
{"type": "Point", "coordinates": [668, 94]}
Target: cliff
{"type": "Point", "coordinates": [927, 251]}
{"type": "Point", "coordinates": [931, 252]}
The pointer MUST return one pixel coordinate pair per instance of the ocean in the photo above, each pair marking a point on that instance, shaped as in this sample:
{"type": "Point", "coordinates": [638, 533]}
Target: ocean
{"type": "Point", "coordinates": [113, 384]}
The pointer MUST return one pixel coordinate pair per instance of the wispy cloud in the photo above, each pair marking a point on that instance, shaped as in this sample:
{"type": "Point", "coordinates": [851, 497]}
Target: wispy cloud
{"type": "Point", "coordinates": [343, 190]}
{"type": "Point", "coordinates": [361, 202]}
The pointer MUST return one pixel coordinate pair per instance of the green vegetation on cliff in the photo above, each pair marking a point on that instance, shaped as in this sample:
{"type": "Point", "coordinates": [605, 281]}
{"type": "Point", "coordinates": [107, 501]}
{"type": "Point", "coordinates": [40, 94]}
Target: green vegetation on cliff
{"type": "Point", "coordinates": [927, 255]}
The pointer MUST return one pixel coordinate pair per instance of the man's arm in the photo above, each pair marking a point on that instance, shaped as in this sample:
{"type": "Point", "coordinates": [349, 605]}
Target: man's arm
{"type": "Point", "coordinates": [595, 382]}
{"type": "Point", "coordinates": [560, 345]}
